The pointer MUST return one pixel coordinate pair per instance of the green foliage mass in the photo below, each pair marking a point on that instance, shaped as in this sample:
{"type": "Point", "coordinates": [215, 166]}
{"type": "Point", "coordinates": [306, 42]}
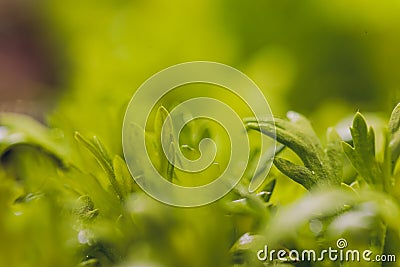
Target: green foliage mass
{"type": "Point", "coordinates": [68, 199]}
{"type": "Point", "coordinates": [68, 202]}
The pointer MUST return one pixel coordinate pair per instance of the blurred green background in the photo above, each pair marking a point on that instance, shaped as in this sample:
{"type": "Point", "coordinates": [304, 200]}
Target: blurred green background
{"type": "Point", "coordinates": [308, 56]}
{"type": "Point", "coordinates": [75, 65]}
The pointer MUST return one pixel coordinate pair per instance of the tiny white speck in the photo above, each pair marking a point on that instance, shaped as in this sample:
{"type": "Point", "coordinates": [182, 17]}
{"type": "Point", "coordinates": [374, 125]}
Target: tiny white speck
{"type": "Point", "coordinates": [245, 239]}
{"type": "Point", "coordinates": [83, 237]}
{"type": "Point", "coordinates": [239, 200]}
{"type": "Point", "coordinates": [3, 132]}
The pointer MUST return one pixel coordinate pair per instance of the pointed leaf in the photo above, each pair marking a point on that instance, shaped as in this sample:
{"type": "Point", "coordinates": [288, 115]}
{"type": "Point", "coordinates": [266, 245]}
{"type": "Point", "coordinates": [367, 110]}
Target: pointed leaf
{"type": "Point", "coordinates": [164, 130]}
{"type": "Point", "coordinates": [394, 128]}
{"type": "Point", "coordinates": [362, 155]}
{"type": "Point", "coordinates": [99, 153]}
{"type": "Point", "coordinates": [123, 176]}
{"type": "Point", "coordinates": [335, 155]}
{"type": "Point", "coordinates": [394, 121]}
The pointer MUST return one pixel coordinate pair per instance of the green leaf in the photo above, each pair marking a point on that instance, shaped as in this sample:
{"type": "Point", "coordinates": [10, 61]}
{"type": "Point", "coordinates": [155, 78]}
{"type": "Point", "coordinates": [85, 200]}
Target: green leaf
{"type": "Point", "coordinates": [163, 119]}
{"type": "Point", "coordinates": [99, 152]}
{"type": "Point", "coordinates": [394, 128]}
{"type": "Point", "coordinates": [85, 208]}
{"type": "Point", "coordinates": [349, 188]}
{"type": "Point", "coordinates": [334, 156]}
{"type": "Point", "coordinates": [17, 129]}
{"type": "Point", "coordinates": [297, 173]}
{"type": "Point", "coordinates": [362, 153]}
{"type": "Point", "coordinates": [251, 203]}
{"type": "Point", "coordinates": [394, 121]}
{"type": "Point", "coordinates": [170, 165]}
{"type": "Point", "coordinates": [264, 165]}
{"type": "Point", "coordinates": [298, 135]}
{"type": "Point", "coordinates": [320, 166]}
{"type": "Point", "coordinates": [267, 191]}
{"type": "Point", "coordinates": [122, 175]}
{"type": "Point", "coordinates": [239, 206]}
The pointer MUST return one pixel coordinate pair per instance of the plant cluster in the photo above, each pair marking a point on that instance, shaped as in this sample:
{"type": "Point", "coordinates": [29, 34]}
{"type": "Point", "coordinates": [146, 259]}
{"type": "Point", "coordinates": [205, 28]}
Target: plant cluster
{"type": "Point", "coordinates": [65, 201]}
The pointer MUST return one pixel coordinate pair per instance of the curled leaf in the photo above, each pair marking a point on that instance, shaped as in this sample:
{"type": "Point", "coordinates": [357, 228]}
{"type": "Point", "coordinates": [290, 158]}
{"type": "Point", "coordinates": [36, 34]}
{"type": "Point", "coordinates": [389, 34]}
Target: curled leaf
{"type": "Point", "coordinates": [320, 166]}
{"type": "Point", "coordinates": [17, 129]}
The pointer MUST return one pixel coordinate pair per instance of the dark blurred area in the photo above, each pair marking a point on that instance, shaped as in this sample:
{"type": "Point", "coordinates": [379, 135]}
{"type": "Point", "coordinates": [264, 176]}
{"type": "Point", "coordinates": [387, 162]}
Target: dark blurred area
{"type": "Point", "coordinates": [29, 64]}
